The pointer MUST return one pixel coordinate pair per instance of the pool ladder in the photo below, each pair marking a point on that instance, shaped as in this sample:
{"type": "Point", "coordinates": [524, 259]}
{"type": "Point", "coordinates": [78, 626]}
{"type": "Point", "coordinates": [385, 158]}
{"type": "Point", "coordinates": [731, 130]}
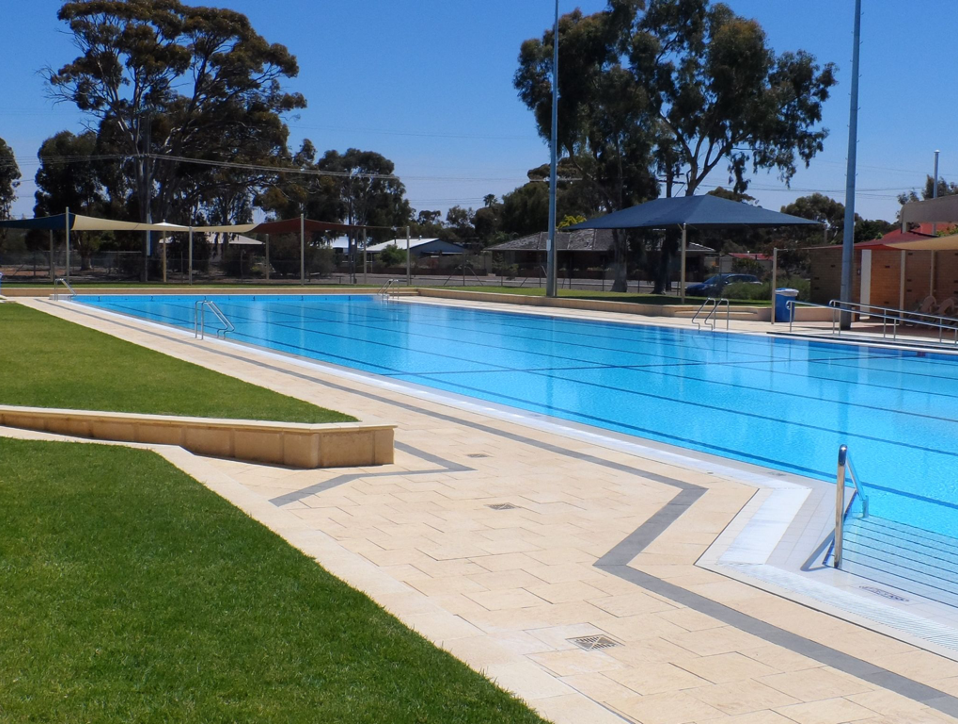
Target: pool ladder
{"type": "Point", "coordinates": [841, 511]}
{"type": "Point", "coordinates": [712, 304]}
{"type": "Point", "coordinates": [61, 280]}
{"type": "Point", "coordinates": [199, 319]}
{"type": "Point", "coordinates": [385, 289]}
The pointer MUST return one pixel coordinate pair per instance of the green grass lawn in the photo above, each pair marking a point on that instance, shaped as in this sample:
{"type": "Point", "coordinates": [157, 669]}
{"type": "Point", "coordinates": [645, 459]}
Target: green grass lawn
{"type": "Point", "coordinates": [51, 363]}
{"type": "Point", "coordinates": [642, 299]}
{"type": "Point", "coordinates": [132, 593]}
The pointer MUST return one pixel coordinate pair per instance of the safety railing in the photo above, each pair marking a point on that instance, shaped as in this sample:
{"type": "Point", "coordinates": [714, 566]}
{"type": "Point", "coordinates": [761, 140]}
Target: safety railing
{"type": "Point", "coordinates": [845, 471]}
{"type": "Point", "coordinates": [384, 290]}
{"type": "Point", "coordinates": [61, 280]}
{"type": "Point", "coordinates": [891, 318]}
{"type": "Point", "coordinates": [462, 270]}
{"type": "Point", "coordinates": [199, 319]}
{"type": "Point", "coordinates": [710, 320]}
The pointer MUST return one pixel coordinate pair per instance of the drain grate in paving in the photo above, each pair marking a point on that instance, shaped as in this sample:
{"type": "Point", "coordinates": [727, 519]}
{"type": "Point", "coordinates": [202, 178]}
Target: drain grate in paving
{"type": "Point", "coordinates": [884, 593]}
{"type": "Point", "coordinates": [477, 455]}
{"type": "Point", "coordinates": [594, 641]}
{"type": "Point", "coordinates": [502, 506]}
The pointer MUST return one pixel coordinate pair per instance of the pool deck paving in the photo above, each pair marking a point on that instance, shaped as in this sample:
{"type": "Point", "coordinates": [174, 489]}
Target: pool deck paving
{"type": "Point", "coordinates": [502, 542]}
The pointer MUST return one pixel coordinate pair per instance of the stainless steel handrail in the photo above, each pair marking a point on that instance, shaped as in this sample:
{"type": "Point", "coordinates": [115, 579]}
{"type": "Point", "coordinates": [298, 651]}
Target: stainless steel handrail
{"type": "Point", "coordinates": [199, 319]}
{"type": "Point", "coordinates": [899, 317]}
{"type": "Point", "coordinates": [61, 280]}
{"type": "Point", "coordinates": [384, 290]}
{"type": "Point", "coordinates": [710, 317]}
{"type": "Point", "coordinates": [845, 465]}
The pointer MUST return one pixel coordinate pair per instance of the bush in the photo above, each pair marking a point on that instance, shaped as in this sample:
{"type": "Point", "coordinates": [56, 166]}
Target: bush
{"type": "Point", "coordinates": [392, 256]}
{"type": "Point", "coordinates": [747, 291]}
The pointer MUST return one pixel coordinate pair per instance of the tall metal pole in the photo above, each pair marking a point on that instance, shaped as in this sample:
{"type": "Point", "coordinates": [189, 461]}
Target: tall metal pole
{"type": "Point", "coordinates": [66, 234]}
{"type": "Point", "coordinates": [53, 272]}
{"type": "Point", "coordinates": [365, 259]}
{"type": "Point", "coordinates": [848, 241]}
{"type": "Point", "coordinates": [408, 260]}
{"type": "Point", "coordinates": [551, 244]}
{"type": "Point", "coordinates": [934, 231]}
{"type": "Point", "coordinates": [774, 279]}
{"type": "Point", "coordinates": [302, 249]}
{"type": "Point", "coordinates": [267, 257]}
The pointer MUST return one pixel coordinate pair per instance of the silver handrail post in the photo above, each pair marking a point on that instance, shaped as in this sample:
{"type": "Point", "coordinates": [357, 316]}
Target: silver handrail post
{"type": "Point", "coordinates": [840, 505]}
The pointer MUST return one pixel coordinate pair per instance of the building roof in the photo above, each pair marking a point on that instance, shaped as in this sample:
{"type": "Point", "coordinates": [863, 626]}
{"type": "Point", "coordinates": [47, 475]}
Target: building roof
{"type": "Point", "coordinates": [893, 237]}
{"type": "Point", "coordinates": [413, 243]}
{"type": "Point", "coordinates": [581, 240]}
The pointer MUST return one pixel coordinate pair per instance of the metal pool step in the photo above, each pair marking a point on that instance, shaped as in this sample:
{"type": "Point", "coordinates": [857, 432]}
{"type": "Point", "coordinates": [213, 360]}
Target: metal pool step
{"type": "Point", "coordinates": [902, 556]}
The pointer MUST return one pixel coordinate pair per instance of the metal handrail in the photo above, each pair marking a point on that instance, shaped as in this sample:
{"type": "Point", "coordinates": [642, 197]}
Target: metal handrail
{"type": "Point", "coordinates": [199, 319]}
{"type": "Point", "coordinates": [384, 290]}
{"type": "Point", "coordinates": [891, 315]}
{"type": "Point", "coordinates": [61, 280]}
{"type": "Point", "coordinates": [710, 317]}
{"type": "Point", "coordinates": [841, 512]}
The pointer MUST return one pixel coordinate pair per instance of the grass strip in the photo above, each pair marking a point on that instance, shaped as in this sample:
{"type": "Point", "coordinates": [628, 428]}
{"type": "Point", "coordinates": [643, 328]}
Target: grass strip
{"type": "Point", "coordinates": [51, 363]}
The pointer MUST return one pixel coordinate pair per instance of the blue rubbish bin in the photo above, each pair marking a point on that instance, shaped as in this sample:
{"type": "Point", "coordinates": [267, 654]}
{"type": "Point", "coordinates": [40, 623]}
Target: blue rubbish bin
{"type": "Point", "coordinates": [783, 295]}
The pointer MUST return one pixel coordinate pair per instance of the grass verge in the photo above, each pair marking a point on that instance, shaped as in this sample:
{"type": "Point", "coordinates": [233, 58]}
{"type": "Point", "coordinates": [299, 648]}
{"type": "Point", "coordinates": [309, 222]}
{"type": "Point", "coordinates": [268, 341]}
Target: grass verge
{"type": "Point", "coordinates": [133, 593]}
{"type": "Point", "coordinates": [51, 363]}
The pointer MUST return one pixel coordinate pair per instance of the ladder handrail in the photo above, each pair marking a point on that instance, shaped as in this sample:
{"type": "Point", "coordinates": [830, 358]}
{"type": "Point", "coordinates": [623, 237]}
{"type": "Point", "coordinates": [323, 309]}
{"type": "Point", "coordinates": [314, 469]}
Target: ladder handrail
{"type": "Point", "coordinates": [890, 316]}
{"type": "Point", "coordinates": [384, 290]}
{"type": "Point", "coordinates": [841, 511]}
{"type": "Point", "coordinates": [199, 319]}
{"type": "Point", "coordinates": [61, 280]}
{"type": "Point", "coordinates": [710, 317]}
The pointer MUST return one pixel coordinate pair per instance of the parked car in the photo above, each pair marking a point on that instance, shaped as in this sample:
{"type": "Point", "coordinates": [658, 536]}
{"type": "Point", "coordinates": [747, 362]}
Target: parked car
{"type": "Point", "coordinates": [713, 286]}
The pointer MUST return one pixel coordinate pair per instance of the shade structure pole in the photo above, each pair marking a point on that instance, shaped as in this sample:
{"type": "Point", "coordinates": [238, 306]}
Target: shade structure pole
{"type": "Point", "coordinates": [408, 260]}
{"type": "Point", "coordinates": [848, 241]}
{"type": "Point", "coordinates": [551, 243]}
{"type": "Point", "coordinates": [66, 234]}
{"type": "Point", "coordinates": [53, 272]}
{"type": "Point", "coordinates": [774, 279]}
{"type": "Point", "coordinates": [267, 257]}
{"type": "Point", "coordinates": [684, 254]}
{"type": "Point", "coordinates": [165, 241]}
{"type": "Point", "coordinates": [365, 266]}
{"type": "Point", "coordinates": [191, 255]}
{"type": "Point", "coordinates": [934, 231]}
{"type": "Point", "coordinates": [302, 249]}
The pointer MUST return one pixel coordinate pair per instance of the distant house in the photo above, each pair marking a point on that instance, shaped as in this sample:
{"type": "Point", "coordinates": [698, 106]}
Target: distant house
{"type": "Point", "coordinates": [580, 250]}
{"type": "Point", "coordinates": [423, 247]}
{"type": "Point", "coordinates": [727, 261]}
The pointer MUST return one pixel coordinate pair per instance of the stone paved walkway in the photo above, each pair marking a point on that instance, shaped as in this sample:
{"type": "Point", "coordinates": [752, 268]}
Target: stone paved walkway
{"type": "Point", "coordinates": [502, 543]}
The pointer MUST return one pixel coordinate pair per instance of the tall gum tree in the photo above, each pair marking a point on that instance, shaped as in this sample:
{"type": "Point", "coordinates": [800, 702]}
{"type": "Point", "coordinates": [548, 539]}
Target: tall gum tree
{"type": "Point", "coordinates": [701, 84]}
{"type": "Point", "coordinates": [176, 80]}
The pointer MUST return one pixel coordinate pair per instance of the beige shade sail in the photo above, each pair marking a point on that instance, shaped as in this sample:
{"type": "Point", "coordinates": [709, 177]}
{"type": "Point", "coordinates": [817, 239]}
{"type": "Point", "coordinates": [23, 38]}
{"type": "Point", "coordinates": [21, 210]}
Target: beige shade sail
{"type": "Point", "coordinates": [932, 244]}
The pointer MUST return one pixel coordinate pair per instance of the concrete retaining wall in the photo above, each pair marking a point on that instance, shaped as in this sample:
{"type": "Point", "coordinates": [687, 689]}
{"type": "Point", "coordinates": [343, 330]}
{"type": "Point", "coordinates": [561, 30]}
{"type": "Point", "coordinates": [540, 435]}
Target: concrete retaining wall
{"type": "Point", "coordinates": [298, 445]}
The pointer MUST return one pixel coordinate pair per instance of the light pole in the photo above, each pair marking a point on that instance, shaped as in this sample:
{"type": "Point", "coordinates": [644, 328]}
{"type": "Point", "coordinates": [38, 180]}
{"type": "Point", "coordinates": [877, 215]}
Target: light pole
{"type": "Point", "coordinates": [934, 231]}
{"type": "Point", "coordinates": [551, 244]}
{"type": "Point", "coordinates": [848, 241]}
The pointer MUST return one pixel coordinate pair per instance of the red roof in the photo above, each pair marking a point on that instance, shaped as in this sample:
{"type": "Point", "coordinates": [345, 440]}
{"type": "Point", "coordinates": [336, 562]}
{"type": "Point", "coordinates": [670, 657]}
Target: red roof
{"type": "Point", "coordinates": [746, 255]}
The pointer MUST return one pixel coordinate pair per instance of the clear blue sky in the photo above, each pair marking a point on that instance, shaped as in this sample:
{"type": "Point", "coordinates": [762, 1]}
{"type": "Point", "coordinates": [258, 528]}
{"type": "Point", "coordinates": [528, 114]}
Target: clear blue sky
{"type": "Point", "coordinates": [428, 83]}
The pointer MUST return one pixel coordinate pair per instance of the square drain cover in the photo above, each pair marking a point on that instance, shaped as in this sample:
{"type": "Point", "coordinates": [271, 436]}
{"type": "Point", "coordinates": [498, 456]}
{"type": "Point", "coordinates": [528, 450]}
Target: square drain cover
{"type": "Point", "coordinates": [594, 641]}
{"type": "Point", "coordinates": [502, 506]}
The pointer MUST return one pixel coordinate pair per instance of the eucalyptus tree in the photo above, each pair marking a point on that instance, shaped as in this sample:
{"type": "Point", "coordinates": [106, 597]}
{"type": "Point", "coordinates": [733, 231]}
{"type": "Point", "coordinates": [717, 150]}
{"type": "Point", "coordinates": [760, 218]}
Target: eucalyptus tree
{"type": "Point", "coordinates": [665, 92]}
{"type": "Point", "coordinates": [176, 81]}
{"type": "Point", "coordinates": [9, 179]}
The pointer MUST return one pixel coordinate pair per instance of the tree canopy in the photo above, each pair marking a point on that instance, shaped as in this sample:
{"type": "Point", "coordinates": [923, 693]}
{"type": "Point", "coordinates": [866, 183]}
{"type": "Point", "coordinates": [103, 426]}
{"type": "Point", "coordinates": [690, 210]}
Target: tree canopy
{"type": "Point", "coordinates": [9, 179]}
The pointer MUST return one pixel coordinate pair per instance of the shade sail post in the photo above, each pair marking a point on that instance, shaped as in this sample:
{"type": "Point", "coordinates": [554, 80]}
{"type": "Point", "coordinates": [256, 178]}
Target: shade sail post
{"type": "Point", "coordinates": [53, 271]}
{"type": "Point", "coordinates": [191, 255]}
{"type": "Point", "coordinates": [302, 249]}
{"type": "Point", "coordinates": [848, 241]}
{"type": "Point", "coordinates": [365, 258]}
{"type": "Point", "coordinates": [267, 257]}
{"type": "Point", "coordinates": [408, 260]}
{"type": "Point", "coordinates": [774, 279]}
{"type": "Point", "coordinates": [684, 255]}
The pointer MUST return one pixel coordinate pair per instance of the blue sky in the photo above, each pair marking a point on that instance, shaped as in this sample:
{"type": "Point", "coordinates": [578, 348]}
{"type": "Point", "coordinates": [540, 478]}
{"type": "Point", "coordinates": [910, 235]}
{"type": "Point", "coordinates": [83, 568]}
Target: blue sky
{"type": "Point", "coordinates": [429, 85]}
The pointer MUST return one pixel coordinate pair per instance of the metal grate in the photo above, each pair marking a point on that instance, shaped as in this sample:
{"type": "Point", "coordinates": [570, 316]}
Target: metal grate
{"type": "Point", "coordinates": [502, 506]}
{"type": "Point", "coordinates": [594, 641]}
{"type": "Point", "coordinates": [477, 455]}
{"type": "Point", "coordinates": [884, 593]}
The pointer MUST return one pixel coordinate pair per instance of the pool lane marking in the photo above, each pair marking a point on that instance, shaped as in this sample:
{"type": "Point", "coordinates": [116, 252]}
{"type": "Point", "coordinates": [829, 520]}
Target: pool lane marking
{"type": "Point", "coordinates": [616, 560]}
{"type": "Point", "coordinates": [691, 363]}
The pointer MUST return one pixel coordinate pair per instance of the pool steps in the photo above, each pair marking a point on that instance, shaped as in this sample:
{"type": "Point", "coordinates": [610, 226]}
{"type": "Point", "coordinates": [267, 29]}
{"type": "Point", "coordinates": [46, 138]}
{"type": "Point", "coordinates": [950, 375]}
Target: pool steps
{"type": "Point", "coordinates": [905, 557]}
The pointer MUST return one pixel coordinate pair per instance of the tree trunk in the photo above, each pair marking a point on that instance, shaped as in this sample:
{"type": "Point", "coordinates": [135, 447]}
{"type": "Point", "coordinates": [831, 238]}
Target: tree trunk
{"type": "Point", "coordinates": [620, 265]}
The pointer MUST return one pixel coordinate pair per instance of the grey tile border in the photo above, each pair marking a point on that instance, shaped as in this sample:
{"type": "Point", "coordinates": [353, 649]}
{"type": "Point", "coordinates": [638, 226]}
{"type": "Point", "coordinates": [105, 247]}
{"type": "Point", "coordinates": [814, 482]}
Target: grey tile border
{"type": "Point", "coordinates": [616, 560]}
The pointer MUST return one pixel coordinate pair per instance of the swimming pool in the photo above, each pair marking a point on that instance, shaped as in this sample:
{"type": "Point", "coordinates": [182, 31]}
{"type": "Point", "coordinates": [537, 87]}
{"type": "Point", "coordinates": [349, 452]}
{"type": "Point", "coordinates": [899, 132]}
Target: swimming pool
{"type": "Point", "coordinates": [782, 403]}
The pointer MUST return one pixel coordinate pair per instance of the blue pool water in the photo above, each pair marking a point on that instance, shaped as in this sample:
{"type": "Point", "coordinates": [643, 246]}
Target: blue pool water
{"type": "Point", "coordinates": [782, 403]}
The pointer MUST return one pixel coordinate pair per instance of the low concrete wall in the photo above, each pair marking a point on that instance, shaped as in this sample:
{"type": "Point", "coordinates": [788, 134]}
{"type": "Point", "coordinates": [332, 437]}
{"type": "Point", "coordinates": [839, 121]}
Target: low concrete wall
{"type": "Point", "coordinates": [298, 445]}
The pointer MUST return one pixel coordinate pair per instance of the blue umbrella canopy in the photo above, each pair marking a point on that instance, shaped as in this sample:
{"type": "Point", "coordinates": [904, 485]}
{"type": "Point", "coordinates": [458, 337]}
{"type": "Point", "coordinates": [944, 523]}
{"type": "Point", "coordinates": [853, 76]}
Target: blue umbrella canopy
{"type": "Point", "coordinates": [695, 211]}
